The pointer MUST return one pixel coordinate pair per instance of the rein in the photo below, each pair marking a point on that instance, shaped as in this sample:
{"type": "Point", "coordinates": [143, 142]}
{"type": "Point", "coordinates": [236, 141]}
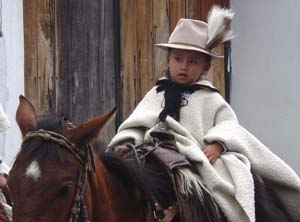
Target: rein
{"type": "Point", "coordinates": [85, 158]}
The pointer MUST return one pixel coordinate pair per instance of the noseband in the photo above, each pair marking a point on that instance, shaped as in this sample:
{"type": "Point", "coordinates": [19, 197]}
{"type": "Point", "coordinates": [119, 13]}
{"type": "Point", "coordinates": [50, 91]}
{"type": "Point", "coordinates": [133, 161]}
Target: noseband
{"type": "Point", "coordinates": [85, 158]}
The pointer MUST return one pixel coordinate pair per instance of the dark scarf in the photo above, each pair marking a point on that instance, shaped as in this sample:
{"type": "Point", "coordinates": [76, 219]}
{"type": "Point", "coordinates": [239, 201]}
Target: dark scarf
{"type": "Point", "coordinates": [173, 96]}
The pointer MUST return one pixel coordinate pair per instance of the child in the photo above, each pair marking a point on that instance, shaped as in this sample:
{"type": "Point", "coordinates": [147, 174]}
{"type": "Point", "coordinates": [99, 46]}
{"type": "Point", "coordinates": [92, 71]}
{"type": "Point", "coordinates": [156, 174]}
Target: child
{"type": "Point", "coordinates": [200, 119]}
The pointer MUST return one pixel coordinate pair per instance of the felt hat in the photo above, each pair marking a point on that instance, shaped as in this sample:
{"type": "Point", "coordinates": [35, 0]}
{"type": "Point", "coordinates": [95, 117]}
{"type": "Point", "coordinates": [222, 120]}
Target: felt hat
{"type": "Point", "coordinates": [200, 36]}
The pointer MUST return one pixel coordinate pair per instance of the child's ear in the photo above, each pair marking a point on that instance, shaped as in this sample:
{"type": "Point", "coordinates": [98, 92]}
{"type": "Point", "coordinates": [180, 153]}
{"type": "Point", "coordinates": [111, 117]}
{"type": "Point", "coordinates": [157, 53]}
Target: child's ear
{"type": "Point", "coordinates": [207, 67]}
{"type": "Point", "coordinates": [168, 58]}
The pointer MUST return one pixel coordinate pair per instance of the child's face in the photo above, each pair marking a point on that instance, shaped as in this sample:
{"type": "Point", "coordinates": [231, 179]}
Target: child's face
{"type": "Point", "coordinates": [186, 66]}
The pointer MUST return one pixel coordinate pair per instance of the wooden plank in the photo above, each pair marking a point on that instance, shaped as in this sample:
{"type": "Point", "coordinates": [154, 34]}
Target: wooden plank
{"type": "Point", "coordinates": [222, 3]}
{"type": "Point", "coordinates": [63, 77]}
{"type": "Point", "coordinates": [205, 7]}
{"type": "Point", "coordinates": [30, 52]}
{"type": "Point", "coordinates": [161, 35]}
{"type": "Point", "coordinates": [94, 54]}
{"type": "Point", "coordinates": [78, 61]}
{"type": "Point", "coordinates": [128, 12]}
{"type": "Point", "coordinates": [117, 59]}
{"type": "Point", "coordinates": [177, 11]}
{"type": "Point", "coordinates": [57, 58]}
{"type": "Point", "coordinates": [69, 57]}
{"type": "Point", "coordinates": [193, 9]}
{"type": "Point", "coordinates": [145, 45]}
{"type": "Point", "coordinates": [45, 54]}
{"type": "Point", "coordinates": [109, 81]}
{"type": "Point", "coordinates": [109, 99]}
{"type": "Point", "coordinates": [86, 64]}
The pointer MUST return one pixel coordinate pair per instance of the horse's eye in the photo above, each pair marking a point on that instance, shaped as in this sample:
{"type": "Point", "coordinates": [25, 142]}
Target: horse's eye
{"type": "Point", "coordinates": [65, 190]}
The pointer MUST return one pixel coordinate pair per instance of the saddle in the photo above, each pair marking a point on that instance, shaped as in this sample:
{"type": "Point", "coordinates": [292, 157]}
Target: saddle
{"type": "Point", "coordinates": [163, 149]}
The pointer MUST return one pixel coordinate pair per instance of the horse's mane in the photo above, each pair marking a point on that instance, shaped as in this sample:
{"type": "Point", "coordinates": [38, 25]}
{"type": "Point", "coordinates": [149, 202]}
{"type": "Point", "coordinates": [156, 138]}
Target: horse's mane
{"type": "Point", "coordinates": [146, 178]}
{"type": "Point", "coordinates": [152, 179]}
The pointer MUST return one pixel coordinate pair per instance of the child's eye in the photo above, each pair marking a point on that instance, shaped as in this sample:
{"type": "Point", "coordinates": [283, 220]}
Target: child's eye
{"type": "Point", "coordinates": [177, 58]}
{"type": "Point", "coordinates": [193, 61]}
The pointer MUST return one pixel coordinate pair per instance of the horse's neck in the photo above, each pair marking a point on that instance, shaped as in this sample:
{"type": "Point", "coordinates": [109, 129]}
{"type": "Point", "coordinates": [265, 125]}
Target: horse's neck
{"type": "Point", "coordinates": [108, 199]}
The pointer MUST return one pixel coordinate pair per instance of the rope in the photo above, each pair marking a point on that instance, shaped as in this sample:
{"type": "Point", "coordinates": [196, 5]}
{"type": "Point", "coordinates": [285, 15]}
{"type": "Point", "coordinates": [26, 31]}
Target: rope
{"type": "Point", "coordinates": [58, 139]}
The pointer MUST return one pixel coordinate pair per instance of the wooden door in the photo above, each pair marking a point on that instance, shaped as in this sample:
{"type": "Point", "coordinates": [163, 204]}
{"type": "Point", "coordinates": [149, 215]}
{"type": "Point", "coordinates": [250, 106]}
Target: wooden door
{"type": "Point", "coordinates": [70, 57]}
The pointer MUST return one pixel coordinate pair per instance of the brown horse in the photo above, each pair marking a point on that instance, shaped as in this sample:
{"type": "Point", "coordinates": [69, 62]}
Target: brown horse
{"type": "Point", "coordinates": [57, 177]}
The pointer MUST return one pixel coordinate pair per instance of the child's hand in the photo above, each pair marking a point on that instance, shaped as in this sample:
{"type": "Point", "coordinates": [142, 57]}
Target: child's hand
{"type": "Point", "coordinates": [212, 152]}
{"type": "Point", "coordinates": [120, 148]}
{"type": "Point", "coordinates": [2, 181]}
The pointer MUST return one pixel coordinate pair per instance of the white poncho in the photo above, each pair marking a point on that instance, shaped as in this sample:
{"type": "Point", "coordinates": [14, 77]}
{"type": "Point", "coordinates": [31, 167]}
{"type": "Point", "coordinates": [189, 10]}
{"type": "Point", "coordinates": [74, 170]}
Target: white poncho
{"type": "Point", "coordinates": [207, 118]}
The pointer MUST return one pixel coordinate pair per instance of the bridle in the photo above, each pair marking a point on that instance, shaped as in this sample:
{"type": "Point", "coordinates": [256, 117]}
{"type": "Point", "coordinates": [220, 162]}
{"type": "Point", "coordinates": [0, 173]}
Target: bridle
{"type": "Point", "coordinates": [84, 156]}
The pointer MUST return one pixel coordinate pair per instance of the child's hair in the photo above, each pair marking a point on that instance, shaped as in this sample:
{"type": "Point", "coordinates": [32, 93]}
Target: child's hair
{"type": "Point", "coordinates": [208, 57]}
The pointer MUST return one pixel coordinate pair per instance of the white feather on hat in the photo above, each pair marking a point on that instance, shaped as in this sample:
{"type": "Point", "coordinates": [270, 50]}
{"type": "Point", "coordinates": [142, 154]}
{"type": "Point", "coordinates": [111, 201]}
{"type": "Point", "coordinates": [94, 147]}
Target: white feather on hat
{"type": "Point", "coordinates": [219, 31]}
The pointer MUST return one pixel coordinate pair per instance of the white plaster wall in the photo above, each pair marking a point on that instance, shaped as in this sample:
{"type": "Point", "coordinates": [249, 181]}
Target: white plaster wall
{"type": "Point", "coordinates": [11, 73]}
{"type": "Point", "coordinates": [266, 73]}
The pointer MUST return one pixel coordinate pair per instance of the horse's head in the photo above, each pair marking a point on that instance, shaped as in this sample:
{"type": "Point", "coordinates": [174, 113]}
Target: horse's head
{"type": "Point", "coordinates": [51, 164]}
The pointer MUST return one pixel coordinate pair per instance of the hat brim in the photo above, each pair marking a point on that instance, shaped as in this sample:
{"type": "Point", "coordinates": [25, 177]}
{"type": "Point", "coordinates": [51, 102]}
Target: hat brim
{"type": "Point", "coordinates": [178, 46]}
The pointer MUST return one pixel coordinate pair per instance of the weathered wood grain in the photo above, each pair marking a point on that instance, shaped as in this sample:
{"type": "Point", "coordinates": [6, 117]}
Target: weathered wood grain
{"type": "Point", "coordinates": [145, 32]}
{"type": "Point", "coordinates": [177, 10]}
{"type": "Point", "coordinates": [192, 9]}
{"type": "Point", "coordinates": [129, 56]}
{"type": "Point", "coordinates": [70, 51]}
{"type": "Point", "coordinates": [45, 52]}
{"type": "Point", "coordinates": [161, 35]}
{"type": "Point", "coordinates": [108, 86]}
{"type": "Point", "coordinates": [30, 53]}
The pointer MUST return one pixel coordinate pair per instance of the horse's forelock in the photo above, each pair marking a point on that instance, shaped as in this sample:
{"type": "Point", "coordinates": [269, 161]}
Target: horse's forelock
{"type": "Point", "coordinates": [43, 150]}
{"type": "Point", "coordinates": [53, 123]}
{"type": "Point", "coordinates": [38, 148]}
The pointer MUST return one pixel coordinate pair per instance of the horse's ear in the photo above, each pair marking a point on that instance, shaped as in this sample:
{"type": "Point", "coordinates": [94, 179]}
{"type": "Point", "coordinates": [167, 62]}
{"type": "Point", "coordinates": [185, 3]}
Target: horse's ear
{"type": "Point", "coordinates": [89, 130]}
{"type": "Point", "coordinates": [26, 115]}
